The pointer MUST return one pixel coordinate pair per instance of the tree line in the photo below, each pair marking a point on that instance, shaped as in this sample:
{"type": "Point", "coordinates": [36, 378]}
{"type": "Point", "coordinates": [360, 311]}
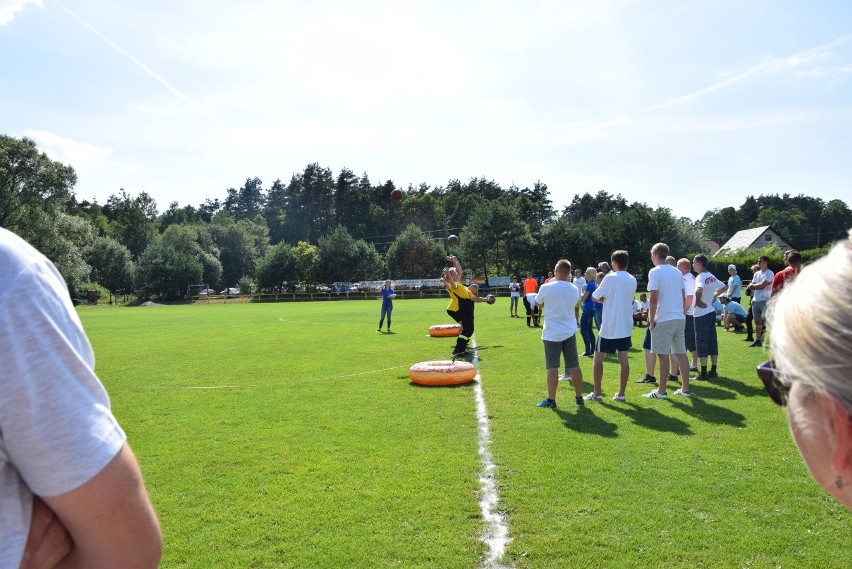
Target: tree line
{"type": "Point", "coordinates": [322, 228]}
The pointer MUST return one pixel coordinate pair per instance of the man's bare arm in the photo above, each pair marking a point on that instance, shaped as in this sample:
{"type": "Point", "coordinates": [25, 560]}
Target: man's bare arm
{"type": "Point", "coordinates": [110, 519]}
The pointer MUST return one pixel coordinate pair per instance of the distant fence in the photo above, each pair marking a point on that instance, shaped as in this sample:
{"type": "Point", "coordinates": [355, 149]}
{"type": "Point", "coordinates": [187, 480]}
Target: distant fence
{"type": "Point", "coordinates": [369, 294]}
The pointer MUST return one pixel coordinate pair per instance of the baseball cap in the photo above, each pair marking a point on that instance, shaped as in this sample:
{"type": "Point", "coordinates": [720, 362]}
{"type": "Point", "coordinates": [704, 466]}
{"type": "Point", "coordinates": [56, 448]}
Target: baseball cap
{"type": "Point", "coordinates": [734, 267]}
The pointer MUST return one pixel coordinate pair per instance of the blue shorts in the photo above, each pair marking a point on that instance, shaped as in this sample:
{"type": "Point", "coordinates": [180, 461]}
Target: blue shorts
{"type": "Point", "coordinates": [646, 344]}
{"type": "Point", "coordinates": [705, 335]}
{"type": "Point", "coordinates": [612, 345]}
{"type": "Point", "coordinates": [689, 333]}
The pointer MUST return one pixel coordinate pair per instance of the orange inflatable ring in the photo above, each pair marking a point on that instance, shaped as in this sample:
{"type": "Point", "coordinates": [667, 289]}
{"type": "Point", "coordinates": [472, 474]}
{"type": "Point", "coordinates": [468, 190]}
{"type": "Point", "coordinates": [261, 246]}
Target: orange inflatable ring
{"type": "Point", "coordinates": [443, 372]}
{"type": "Point", "coordinates": [444, 330]}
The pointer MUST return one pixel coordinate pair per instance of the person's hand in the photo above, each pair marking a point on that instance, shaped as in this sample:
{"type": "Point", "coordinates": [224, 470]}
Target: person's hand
{"type": "Point", "coordinates": [700, 304]}
{"type": "Point", "coordinates": [48, 542]}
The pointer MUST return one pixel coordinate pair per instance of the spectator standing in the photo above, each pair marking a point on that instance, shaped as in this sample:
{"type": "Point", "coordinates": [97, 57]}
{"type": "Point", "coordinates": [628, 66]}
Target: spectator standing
{"type": "Point", "coordinates": [616, 292]}
{"type": "Point", "coordinates": [750, 314]}
{"type": "Point", "coordinates": [559, 333]}
{"type": "Point", "coordinates": [514, 295]}
{"type": "Point", "coordinates": [788, 274]}
{"type": "Point", "coordinates": [60, 440]}
{"type": "Point", "coordinates": [579, 282]}
{"type": "Point", "coordinates": [598, 305]}
{"type": "Point", "coordinates": [667, 319]}
{"type": "Point", "coordinates": [707, 288]}
{"type": "Point", "coordinates": [735, 285]}
{"type": "Point", "coordinates": [761, 289]}
{"type": "Point", "coordinates": [589, 310]}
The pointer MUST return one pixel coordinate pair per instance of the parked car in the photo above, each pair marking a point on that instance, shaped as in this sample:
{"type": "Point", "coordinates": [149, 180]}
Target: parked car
{"type": "Point", "coordinates": [231, 291]}
{"type": "Point", "coordinates": [206, 291]}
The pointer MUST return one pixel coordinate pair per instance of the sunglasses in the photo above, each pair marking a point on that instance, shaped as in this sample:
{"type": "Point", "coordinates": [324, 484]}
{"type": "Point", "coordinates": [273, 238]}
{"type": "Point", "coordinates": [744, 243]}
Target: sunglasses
{"type": "Point", "coordinates": [778, 391]}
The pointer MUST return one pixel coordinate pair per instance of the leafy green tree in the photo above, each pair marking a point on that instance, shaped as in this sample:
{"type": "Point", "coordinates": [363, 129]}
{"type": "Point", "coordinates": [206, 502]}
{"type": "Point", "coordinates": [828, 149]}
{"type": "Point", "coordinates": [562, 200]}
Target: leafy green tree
{"type": "Point", "coordinates": [31, 184]}
{"type": "Point", "coordinates": [307, 263]}
{"type": "Point", "coordinates": [343, 258]}
{"type": "Point", "coordinates": [164, 272]}
{"type": "Point", "coordinates": [835, 221]}
{"type": "Point", "coordinates": [241, 243]}
{"type": "Point", "coordinates": [187, 239]}
{"type": "Point", "coordinates": [721, 224]}
{"type": "Point", "coordinates": [488, 236]}
{"type": "Point", "coordinates": [414, 255]}
{"type": "Point", "coordinates": [132, 220]}
{"type": "Point", "coordinates": [277, 267]}
{"type": "Point", "coordinates": [247, 202]}
{"type": "Point", "coordinates": [789, 224]}
{"type": "Point", "coordinates": [112, 265]}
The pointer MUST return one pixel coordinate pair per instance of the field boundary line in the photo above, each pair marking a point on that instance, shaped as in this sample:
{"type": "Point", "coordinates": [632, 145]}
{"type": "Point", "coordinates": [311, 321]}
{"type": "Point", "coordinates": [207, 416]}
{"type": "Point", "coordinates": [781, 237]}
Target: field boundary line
{"type": "Point", "coordinates": [495, 534]}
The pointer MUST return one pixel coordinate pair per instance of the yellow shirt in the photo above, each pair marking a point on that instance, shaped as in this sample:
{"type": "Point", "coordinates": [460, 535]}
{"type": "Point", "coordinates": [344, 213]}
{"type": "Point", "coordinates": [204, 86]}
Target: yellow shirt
{"type": "Point", "coordinates": [459, 293]}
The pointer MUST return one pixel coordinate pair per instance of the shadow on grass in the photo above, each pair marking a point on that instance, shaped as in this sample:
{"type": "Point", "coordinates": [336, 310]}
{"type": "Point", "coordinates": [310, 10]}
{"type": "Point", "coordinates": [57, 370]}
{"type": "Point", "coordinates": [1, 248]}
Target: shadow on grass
{"type": "Point", "coordinates": [738, 386]}
{"type": "Point", "coordinates": [585, 421]}
{"type": "Point", "coordinates": [700, 409]}
{"type": "Point", "coordinates": [651, 418]}
{"type": "Point", "coordinates": [706, 390]}
{"type": "Point", "coordinates": [412, 384]}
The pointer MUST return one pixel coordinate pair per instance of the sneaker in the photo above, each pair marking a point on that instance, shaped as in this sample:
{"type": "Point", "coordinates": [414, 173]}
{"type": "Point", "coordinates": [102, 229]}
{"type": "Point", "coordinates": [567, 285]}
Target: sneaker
{"type": "Point", "coordinates": [565, 377]}
{"type": "Point", "coordinates": [647, 379]}
{"type": "Point", "coordinates": [756, 344]}
{"type": "Point", "coordinates": [674, 378]}
{"type": "Point", "coordinates": [656, 395]}
{"type": "Point", "coordinates": [748, 339]}
{"type": "Point", "coordinates": [578, 399]}
{"type": "Point", "coordinates": [738, 328]}
{"type": "Point", "coordinates": [593, 397]}
{"type": "Point", "coordinates": [683, 393]}
{"type": "Point", "coordinates": [693, 368]}
{"type": "Point", "coordinates": [547, 403]}
{"type": "Point", "coordinates": [711, 374]}
{"type": "Point", "coordinates": [619, 398]}
{"type": "Point", "coordinates": [699, 377]}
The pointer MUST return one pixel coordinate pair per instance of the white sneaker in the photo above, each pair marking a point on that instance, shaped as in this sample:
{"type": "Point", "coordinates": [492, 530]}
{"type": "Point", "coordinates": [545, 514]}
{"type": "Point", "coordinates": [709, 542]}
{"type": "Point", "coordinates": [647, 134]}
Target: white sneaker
{"type": "Point", "coordinates": [683, 393]}
{"type": "Point", "coordinates": [619, 398]}
{"type": "Point", "coordinates": [565, 377]}
{"type": "Point", "coordinates": [656, 395]}
{"type": "Point", "coordinates": [593, 397]}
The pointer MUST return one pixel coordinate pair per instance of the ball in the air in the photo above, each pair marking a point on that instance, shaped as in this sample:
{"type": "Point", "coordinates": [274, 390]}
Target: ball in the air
{"type": "Point", "coordinates": [490, 298]}
{"type": "Point", "coordinates": [453, 240]}
{"type": "Point", "coordinates": [396, 194]}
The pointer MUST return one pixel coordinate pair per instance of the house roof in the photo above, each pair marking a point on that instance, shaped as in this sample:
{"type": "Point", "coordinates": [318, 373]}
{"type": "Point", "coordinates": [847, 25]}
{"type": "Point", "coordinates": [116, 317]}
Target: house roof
{"type": "Point", "coordinates": [747, 237]}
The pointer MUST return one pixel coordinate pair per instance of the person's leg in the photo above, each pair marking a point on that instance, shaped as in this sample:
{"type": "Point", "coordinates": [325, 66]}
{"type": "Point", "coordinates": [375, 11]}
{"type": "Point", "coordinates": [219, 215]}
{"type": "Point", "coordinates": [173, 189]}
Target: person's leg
{"type": "Point", "coordinates": [597, 371]}
{"type": "Point", "coordinates": [664, 372]}
{"type": "Point", "coordinates": [650, 365]}
{"type": "Point", "coordinates": [552, 382]}
{"type": "Point", "coordinates": [749, 329]}
{"type": "Point", "coordinates": [528, 308]}
{"type": "Point", "coordinates": [598, 318]}
{"type": "Point", "coordinates": [382, 318]}
{"type": "Point", "coordinates": [390, 311]}
{"type": "Point", "coordinates": [625, 371]}
{"type": "Point", "coordinates": [684, 378]}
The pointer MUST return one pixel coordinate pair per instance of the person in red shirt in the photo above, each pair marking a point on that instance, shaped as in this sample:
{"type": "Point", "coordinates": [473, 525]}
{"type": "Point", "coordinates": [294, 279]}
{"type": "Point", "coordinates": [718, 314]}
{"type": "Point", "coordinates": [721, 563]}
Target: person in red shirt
{"type": "Point", "coordinates": [785, 276]}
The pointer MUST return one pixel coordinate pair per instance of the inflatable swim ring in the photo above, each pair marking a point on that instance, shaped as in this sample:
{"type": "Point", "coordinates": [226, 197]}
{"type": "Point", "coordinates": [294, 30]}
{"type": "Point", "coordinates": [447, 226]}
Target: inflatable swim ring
{"type": "Point", "coordinates": [444, 330]}
{"type": "Point", "coordinates": [442, 372]}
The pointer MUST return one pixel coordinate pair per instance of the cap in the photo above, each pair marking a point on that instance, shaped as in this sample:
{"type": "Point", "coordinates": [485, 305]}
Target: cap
{"type": "Point", "coordinates": [734, 267]}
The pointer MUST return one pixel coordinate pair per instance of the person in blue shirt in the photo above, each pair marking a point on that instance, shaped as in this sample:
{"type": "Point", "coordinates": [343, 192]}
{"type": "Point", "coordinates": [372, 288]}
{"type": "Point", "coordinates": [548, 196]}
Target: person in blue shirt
{"type": "Point", "coordinates": [388, 295]}
{"type": "Point", "coordinates": [589, 307]}
{"type": "Point", "coordinates": [734, 315]}
{"type": "Point", "coordinates": [735, 284]}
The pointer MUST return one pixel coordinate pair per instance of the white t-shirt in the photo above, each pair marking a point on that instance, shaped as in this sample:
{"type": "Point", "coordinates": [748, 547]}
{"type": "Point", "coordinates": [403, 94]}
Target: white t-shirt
{"type": "Point", "coordinates": [580, 283]}
{"type": "Point", "coordinates": [618, 288]}
{"type": "Point", "coordinates": [668, 282]}
{"type": "Point", "coordinates": [559, 299]}
{"type": "Point", "coordinates": [764, 293]}
{"type": "Point", "coordinates": [689, 290]}
{"type": "Point", "coordinates": [56, 428]}
{"type": "Point", "coordinates": [708, 285]}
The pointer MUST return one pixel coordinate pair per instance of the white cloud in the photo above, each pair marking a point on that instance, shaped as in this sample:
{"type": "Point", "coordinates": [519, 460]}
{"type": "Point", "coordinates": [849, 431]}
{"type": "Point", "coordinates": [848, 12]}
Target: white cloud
{"type": "Point", "coordinates": [8, 8]}
{"type": "Point", "coordinates": [80, 155]}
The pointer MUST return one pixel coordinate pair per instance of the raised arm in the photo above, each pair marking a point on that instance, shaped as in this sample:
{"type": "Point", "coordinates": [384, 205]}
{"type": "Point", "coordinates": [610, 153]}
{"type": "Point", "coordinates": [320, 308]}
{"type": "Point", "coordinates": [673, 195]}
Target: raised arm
{"type": "Point", "coordinates": [110, 519]}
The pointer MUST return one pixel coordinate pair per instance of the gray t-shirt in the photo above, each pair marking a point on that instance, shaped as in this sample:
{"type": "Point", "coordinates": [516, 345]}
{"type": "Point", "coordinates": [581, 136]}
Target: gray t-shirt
{"type": "Point", "coordinates": [56, 428]}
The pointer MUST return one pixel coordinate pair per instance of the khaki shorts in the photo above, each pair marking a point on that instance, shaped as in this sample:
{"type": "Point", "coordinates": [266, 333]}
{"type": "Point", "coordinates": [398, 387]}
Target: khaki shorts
{"type": "Point", "coordinates": [667, 337]}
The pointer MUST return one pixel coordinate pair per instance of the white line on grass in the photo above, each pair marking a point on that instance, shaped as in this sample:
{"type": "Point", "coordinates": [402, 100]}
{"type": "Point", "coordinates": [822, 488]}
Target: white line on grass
{"type": "Point", "coordinates": [496, 532]}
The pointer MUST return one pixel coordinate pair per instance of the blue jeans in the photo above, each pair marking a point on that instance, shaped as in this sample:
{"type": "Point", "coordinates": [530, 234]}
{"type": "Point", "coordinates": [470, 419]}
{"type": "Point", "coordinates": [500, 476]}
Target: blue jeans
{"type": "Point", "coordinates": [387, 308]}
{"type": "Point", "coordinates": [598, 316]}
{"type": "Point", "coordinates": [586, 330]}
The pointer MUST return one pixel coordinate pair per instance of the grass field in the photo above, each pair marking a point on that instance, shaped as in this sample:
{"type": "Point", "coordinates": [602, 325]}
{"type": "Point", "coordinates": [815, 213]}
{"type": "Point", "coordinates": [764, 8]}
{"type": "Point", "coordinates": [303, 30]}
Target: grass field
{"type": "Point", "coordinates": [288, 435]}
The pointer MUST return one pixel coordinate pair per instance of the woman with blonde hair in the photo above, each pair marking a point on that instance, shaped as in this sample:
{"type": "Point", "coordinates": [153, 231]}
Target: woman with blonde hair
{"type": "Point", "coordinates": [811, 341]}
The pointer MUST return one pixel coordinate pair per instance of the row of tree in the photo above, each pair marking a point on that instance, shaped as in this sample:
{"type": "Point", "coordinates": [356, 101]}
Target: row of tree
{"type": "Point", "coordinates": [319, 228]}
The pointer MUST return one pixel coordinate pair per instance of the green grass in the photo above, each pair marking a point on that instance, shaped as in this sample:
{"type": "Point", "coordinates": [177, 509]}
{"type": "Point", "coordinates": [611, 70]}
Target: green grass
{"type": "Point", "coordinates": [314, 450]}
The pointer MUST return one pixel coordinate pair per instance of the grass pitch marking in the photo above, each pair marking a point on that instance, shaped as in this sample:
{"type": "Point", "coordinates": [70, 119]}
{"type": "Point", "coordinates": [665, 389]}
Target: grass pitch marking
{"type": "Point", "coordinates": [495, 535]}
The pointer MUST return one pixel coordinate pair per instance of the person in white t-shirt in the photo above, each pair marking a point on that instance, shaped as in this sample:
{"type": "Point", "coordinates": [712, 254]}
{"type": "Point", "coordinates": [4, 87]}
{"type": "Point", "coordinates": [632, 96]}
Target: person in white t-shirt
{"type": "Point", "coordinates": [666, 317]}
{"type": "Point", "coordinates": [640, 309]}
{"type": "Point", "coordinates": [761, 289]}
{"type": "Point", "coordinates": [707, 289]}
{"type": "Point", "coordinates": [61, 452]}
{"type": "Point", "coordinates": [559, 333]}
{"type": "Point", "coordinates": [616, 292]}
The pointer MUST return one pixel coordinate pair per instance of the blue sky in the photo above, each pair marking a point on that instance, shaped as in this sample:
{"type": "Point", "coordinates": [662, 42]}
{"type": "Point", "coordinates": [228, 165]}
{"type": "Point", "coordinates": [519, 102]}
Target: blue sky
{"type": "Point", "coordinates": [689, 105]}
